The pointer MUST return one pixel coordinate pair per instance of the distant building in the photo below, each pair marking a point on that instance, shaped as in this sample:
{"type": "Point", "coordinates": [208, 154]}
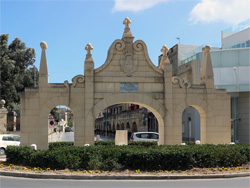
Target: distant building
{"type": "Point", "coordinates": [231, 66]}
{"type": "Point", "coordinates": [131, 117]}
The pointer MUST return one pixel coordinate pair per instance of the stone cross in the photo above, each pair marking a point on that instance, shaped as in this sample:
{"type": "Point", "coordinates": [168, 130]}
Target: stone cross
{"type": "Point", "coordinates": [89, 48]}
{"type": "Point", "coordinates": [126, 22]}
{"type": "Point", "coordinates": [164, 50]}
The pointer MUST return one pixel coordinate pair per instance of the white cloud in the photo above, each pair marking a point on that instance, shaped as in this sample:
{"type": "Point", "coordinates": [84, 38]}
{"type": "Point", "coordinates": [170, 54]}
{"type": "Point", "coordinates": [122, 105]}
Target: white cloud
{"type": "Point", "coordinates": [230, 11]}
{"type": "Point", "coordinates": [135, 5]}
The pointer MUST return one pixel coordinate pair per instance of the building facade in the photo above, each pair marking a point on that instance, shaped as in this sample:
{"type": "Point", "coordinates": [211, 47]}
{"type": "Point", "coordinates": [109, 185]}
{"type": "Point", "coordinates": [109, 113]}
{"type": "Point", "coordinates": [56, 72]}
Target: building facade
{"type": "Point", "coordinates": [131, 117]}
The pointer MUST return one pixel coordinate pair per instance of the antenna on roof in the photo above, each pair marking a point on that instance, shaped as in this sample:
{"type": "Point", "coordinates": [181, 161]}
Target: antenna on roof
{"type": "Point", "coordinates": [178, 38]}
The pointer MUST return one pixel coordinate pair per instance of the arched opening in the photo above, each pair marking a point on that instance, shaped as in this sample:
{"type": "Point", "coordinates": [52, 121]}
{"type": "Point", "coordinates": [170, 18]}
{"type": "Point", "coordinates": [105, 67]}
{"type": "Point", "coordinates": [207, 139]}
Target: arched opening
{"type": "Point", "coordinates": [118, 127]}
{"type": "Point", "coordinates": [134, 127]}
{"type": "Point", "coordinates": [191, 124]}
{"type": "Point", "coordinates": [61, 124]}
{"type": "Point", "coordinates": [122, 126]}
{"type": "Point", "coordinates": [141, 118]}
{"type": "Point", "coordinates": [128, 129]}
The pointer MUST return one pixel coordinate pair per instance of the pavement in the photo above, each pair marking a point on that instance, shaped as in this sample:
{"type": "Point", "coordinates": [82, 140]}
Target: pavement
{"type": "Point", "coordinates": [121, 177]}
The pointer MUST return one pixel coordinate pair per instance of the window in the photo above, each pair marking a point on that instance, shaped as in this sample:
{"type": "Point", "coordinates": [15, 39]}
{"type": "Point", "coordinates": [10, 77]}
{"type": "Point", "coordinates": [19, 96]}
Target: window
{"type": "Point", "coordinates": [145, 135]}
{"type": "Point", "coordinates": [16, 138]}
{"type": "Point", "coordinates": [8, 138]}
{"type": "Point", "coordinates": [138, 135]}
{"type": "Point", "coordinates": [248, 43]}
{"type": "Point", "coordinates": [155, 136]}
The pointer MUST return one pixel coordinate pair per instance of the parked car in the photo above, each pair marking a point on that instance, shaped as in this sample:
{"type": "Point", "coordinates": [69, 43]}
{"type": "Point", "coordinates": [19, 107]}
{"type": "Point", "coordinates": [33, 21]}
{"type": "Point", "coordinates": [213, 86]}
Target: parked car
{"type": "Point", "coordinates": [144, 136]}
{"type": "Point", "coordinates": [67, 129]}
{"type": "Point", "coordinates": [8, 140]}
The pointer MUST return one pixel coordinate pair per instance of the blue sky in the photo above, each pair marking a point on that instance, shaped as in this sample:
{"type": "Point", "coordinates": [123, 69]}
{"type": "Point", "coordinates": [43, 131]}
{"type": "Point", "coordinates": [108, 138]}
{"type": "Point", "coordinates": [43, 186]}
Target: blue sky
{"type": "Point", "coordinates": [67, 26]}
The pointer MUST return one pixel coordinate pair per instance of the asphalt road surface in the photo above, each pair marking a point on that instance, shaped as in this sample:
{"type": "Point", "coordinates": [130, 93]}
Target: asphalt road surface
{"type": "Point", "coordinates": [8, 182]}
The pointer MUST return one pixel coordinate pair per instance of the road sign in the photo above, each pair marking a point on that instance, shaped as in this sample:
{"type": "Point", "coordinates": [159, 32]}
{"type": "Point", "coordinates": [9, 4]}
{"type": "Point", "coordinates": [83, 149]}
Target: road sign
{"type": "Point", "coordinates": [51, 117]}
{"type": "Point", "coordinates": [52, 122]}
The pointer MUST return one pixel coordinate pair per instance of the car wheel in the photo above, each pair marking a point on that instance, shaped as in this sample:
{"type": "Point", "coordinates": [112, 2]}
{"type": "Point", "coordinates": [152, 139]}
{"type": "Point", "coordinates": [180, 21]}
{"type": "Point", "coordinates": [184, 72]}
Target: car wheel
{"type": "Point", "coordinates": [2, 151]}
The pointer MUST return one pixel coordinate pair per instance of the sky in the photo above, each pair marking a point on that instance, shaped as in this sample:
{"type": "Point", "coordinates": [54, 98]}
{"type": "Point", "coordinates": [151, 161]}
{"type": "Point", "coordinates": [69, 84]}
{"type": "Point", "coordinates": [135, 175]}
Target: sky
{"type": "Point", "coordinates": [67, 26]}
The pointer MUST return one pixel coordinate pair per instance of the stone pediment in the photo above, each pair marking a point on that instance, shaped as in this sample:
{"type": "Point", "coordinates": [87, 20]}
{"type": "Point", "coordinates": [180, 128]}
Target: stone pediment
{"type": "Point", "coordinates": [128, 57]}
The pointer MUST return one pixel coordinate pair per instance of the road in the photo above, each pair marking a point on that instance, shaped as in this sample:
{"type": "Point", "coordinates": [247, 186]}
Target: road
{"type": "Point", "coordinates": [8, 182]}
{"type": "Point", "coordinates": [67, 137]}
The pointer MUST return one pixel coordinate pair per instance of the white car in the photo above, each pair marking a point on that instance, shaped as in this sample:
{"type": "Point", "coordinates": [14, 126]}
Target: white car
{"type": "Point", "coordinates": [144, 136]}
{"type": "Point", "coordinates": [8, 140]}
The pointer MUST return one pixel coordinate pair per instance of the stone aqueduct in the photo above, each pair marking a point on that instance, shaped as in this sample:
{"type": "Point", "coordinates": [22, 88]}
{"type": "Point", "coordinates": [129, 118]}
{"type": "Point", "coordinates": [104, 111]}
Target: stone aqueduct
{"type": "Point", "coordinates": [127, 76]}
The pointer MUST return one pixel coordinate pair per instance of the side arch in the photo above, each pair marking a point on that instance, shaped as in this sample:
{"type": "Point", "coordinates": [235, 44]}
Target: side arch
{"type": "Point", "coordinates": [205, 111]}
{"type": "Point", "coordinates": [48, 106]}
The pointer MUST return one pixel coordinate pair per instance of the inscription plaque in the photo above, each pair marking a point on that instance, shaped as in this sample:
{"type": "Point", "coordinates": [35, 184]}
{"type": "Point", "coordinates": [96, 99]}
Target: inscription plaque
{"type": "Point", "coordinates": [128, 87]}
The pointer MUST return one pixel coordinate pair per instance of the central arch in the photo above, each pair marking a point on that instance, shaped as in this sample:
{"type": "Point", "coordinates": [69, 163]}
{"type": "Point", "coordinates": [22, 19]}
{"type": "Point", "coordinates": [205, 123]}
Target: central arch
{"type": "Point", "coordinates": [154, 105]}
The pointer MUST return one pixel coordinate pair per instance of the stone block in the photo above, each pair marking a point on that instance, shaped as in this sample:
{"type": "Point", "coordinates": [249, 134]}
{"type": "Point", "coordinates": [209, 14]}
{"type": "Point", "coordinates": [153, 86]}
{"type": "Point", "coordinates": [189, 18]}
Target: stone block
{"type": "Point", "coordinates": [121, 137]}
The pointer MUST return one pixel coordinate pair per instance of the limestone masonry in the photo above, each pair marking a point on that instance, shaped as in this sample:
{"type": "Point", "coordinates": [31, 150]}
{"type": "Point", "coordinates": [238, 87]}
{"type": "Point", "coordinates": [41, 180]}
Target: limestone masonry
{"type": "Point", "coordinates": [128, 76]}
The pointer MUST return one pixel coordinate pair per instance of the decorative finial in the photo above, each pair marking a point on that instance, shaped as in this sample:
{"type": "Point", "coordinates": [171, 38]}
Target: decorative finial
{"type": "Point", "coordinates": [89, 48]}
{"type": "Point", "coordinates": [43, 45]}
{"type": "Point", "coordinates": [164, 58]}
{"type": "Point", "coordinates": [127, 22]}
{"type": "Point", "coordinates": [2, 103]}
{"type": "Point", "coordinates": [206, 49]}
{"type": "Point", "coordinates": [164, 50]}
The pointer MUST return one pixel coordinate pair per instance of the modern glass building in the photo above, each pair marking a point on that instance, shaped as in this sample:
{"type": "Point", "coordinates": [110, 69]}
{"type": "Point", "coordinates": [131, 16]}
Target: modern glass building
{"type": "Point", "coordinates": [231, 65]}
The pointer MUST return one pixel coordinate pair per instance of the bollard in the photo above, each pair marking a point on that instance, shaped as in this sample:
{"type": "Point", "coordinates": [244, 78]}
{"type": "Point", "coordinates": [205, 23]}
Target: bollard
{"type": "Point", "coordinates": [97, 137]}
{"type": "Point", "coordinates": [33, 146]}
{"type": "Point", "coordinates": [197, 142]}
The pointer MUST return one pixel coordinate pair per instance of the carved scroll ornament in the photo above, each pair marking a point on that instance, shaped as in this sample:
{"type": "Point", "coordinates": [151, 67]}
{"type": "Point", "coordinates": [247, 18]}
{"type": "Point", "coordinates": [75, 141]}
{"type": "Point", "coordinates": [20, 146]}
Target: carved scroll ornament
{"type": "Point", "coordinates": [77, 79]}
{"type": "Point", "coordinates": [182, 83]}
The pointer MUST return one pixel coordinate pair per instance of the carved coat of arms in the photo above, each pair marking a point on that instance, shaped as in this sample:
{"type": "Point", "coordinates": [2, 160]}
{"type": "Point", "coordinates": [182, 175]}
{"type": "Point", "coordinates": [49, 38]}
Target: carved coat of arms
{"type": "Point", "coordinates": [129, 63]}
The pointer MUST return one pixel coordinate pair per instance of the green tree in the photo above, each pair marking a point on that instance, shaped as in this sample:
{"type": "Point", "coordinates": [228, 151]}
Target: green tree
{"type": "Point", "coordinates": [55, 113]}
{"type": "Point", "coordinates": [16, 69]}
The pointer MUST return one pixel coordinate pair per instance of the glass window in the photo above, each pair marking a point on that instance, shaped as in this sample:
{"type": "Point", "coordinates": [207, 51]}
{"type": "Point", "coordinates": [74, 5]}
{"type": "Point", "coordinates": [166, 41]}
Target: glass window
{"type": "Point", "coordinates": [138, 135]}
{"type": "Point", "coordinates": [17, 138]}
{"type": "Point", "coordinates": [243, 45]}
{"type": "Point", "coordinates": [234, 108]}
{"type": "Point", "coordinates": [248, 43]}
{"type": "Point", "coordinates": [244, 59]}
{"type": "Point", "coordinates": [8, 138]}
{"type": "Point", "coordinates": [155, 136]}
{"type": "Point", "coordinates": [215, 58]}
{"type": "Point", "coordinates": [145, 135]}
{"type": "Point", "coordinates": [245, 87]}
{"type": "Point", "coordinates": [244, 73]}
{"type": "Point", "coordinates": [229, 58]}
